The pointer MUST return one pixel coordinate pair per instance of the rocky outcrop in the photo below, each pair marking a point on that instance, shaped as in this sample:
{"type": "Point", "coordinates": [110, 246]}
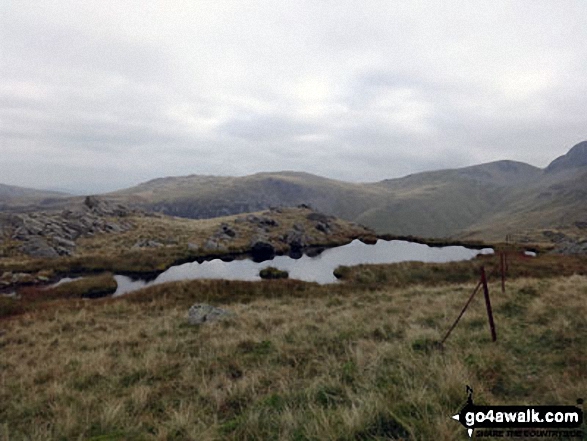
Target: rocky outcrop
{"type": "Point", "coordinates": [571, 247]}
{"type": "Point", "coordinates": [54, 234]}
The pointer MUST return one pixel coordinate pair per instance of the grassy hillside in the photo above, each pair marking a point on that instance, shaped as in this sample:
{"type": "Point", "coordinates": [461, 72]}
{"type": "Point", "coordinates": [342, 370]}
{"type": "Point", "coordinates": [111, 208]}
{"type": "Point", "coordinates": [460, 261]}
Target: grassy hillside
{"type": "Point", "coordinates": [212, 196]}
{"type": "Point", "coordinates": [296, 361]}
{"type": "Point", "coordinates": [485, 201]}
{"type": "Point", "coordinates": [556, 201]}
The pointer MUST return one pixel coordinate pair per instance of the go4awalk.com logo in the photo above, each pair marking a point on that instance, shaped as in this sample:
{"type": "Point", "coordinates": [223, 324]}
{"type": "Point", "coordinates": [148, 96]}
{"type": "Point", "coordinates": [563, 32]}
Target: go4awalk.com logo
{"type": "Point", "coordinates": [521, 421]}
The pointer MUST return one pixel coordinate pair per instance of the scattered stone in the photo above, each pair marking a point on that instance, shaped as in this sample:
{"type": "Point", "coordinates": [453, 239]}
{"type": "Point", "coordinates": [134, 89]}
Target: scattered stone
{"type": "Point", "coordinates": [225, 233]}
{"type": "Point", "coordinates": [211, 245]}
{"type": "Point", "coordinates": [147, 243]}
{"type": "Point", "coordinates": [296, 240]}
{"type": "Point", "coordinates": [571, 247]}
{"type": "Point", "coordinates": [323, 227]}
{"type": "Point", "coordinates": [554, 237]}
{"type": "Point", "coordinates": [228, 231]}
{"type": "Point", "coordinates": [269, 222]}
{"type": "Point", "coordinates": [203, 313]}
{"type": "Point", "coordinates": [298, 227]}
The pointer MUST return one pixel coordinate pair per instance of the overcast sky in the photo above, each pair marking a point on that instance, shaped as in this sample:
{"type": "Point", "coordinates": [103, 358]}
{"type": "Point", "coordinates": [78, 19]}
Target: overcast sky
{"type": "Point", "coordinates": [96, 96]}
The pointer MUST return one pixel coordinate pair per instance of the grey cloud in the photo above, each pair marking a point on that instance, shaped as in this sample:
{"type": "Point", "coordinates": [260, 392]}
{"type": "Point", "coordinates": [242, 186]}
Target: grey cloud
{"type": "Point", "coordinates": [351, 91]}
{"type": "Point", "coordinates": [266, 128]}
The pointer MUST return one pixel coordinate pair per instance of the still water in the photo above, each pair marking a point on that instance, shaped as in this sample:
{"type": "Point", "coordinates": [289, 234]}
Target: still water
{"type": "Point", "coordinates": [312, 269]}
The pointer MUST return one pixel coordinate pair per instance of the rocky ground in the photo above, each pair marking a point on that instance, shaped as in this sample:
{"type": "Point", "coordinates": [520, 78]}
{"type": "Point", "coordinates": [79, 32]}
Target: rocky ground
{"type": "Point", "coordinates": [98, 235]}
{"type": "Point", "coordinates": [44, 234]}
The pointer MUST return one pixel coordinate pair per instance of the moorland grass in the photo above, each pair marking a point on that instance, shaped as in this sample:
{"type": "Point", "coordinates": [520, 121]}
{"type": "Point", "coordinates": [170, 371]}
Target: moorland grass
{"type": "Point", "coordinates": [299, 361]}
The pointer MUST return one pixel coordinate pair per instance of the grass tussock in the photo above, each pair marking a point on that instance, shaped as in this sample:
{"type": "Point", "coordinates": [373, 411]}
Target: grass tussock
{"type": "Point", "coordinates": [407, 273]}
{"type": "Point", "coordinates": [296, 361]}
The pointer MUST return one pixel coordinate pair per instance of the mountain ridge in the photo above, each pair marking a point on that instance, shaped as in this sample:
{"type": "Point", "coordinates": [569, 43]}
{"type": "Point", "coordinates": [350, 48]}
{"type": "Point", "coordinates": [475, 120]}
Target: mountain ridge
{"type": "Point", "coordinates": [480, 201]}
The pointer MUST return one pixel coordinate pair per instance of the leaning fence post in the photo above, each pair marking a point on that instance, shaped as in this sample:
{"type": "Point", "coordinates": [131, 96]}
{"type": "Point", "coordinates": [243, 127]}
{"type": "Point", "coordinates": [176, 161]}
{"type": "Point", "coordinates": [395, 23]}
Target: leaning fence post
{"type": "Point", "coordinates": [462, 312]}
{"type": "Point", "coordinates": [488, 304]}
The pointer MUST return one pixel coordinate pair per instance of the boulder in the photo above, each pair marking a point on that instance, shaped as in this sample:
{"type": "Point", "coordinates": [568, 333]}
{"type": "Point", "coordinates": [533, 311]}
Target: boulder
{"type": "Point", "coordinates": [203, 313]}
{"type": "Point", "coordinates": [38, 247]}
{"type": "Point", "coordinates": [225, 232]}
{"type": "Point", "coordinates": [296, 240]}
{"type": "Point", "coordinates": [211, 245]}
{"type": "Point", "coordinates": [262, 250]}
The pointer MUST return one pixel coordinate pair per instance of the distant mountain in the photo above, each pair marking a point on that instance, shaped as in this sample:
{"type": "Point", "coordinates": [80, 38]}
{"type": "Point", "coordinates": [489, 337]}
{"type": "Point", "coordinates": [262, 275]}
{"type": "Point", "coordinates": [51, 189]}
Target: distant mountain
{"type": "Point", "coordinates": [482, 201]}
{"type": "Point", "coordinates": [212, 196]}
{"type": "Point", "coordinates": [574, 159]}
{"type": "Point", "coordinates": [14, 196]}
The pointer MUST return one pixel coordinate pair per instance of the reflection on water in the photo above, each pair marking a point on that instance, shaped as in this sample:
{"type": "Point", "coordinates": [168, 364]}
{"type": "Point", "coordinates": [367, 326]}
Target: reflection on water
{"type": "Point", "coordinates": [312, 269]}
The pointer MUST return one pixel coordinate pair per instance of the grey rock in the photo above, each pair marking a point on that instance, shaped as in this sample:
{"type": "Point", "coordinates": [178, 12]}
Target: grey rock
{"type": "Point", "coordinates": [298, 227]}
{"type": "Point", "coordinates": [571, 247]}
{"type": "Point", "coordinates": [269, 222]}
{"type": "Point", "coordinates": [38, 247]}
{"type": "Point", "coordinates": [63, 251]}
{"type": "Point", "coordinates": [211, 245]}
{"type": "Point", "coordinates": [297, 240]}
{"type": "Point", "coordinates": [323, 227]}
{"type": "Point", "coordinates": [554, 236]}
{"type": "Point", "coordinates": [62, 242]}
{"type": "Point", "coordinates": [193, 246]}
{"type": "Point", "coordinates": [147, 243]}
{"type": "Point", "coordinates": [51, 234]}
{"type": "Point", "coordinates": [203, 313]}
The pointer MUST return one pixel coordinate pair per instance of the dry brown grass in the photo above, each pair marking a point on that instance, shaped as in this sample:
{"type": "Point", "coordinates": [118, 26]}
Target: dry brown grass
{"type": "Point", "coordinates": [297, 361]}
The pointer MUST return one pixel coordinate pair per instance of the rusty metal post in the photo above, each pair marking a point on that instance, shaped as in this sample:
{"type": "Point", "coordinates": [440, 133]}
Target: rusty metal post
{"type": "Point", "coordinates": [488, 304]}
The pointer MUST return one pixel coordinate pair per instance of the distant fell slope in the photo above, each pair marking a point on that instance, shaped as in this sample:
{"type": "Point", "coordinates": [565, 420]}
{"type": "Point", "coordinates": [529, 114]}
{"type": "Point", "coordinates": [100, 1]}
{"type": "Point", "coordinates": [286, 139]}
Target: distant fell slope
{"type": "Point", "coordinates": [575, 158]}
{"type": "Point", "coordinates": [502, 173]}
{"type": "Point", "coordinates": [481, 200]}
{"type": "Point", "coordinates": [212, 196]}
{"type": "Point", "coordinates": [13, 197]}
{"type": "Point", "coordinates": [13, 192]}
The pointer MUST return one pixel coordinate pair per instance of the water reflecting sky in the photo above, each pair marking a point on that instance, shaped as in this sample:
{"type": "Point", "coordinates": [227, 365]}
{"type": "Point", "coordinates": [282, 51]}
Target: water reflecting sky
{"type": "Point", "coordinates": [313, 269]}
